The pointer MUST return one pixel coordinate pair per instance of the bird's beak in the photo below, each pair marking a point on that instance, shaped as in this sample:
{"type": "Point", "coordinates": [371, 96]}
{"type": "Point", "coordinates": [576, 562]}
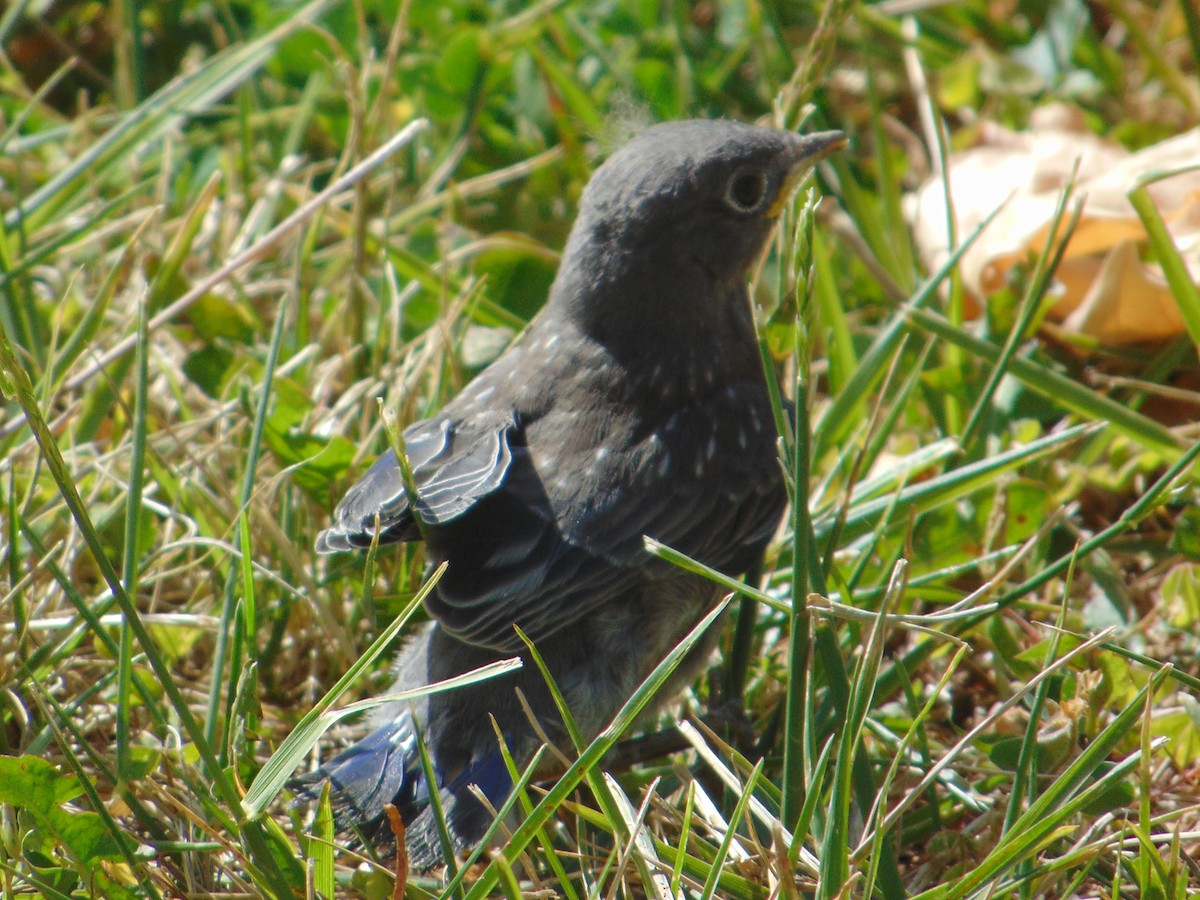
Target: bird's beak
{"type": "Point", "coordinates": [808, 150]}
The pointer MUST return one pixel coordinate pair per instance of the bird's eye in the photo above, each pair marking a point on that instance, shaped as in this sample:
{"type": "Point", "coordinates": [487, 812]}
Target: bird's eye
{"type": "Point", "coordinates": [746, 191]}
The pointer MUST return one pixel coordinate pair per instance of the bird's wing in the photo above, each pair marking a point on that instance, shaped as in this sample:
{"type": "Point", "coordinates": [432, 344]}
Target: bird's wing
{"type": "Point", "coordinates": [543, 555]}
{"type": "Point", "coordinates": [508, 558]}
{"type": "Point", "coordinates": [453, 466]}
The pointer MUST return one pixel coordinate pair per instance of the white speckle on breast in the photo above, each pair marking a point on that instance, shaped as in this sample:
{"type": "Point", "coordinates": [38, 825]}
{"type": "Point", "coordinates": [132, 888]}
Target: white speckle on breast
{"type": "Point", "coordinates": [711, 451]}
{"type": "Point", "coordinates": [601, 452]}
{"type": "Point", "coordinates": [664, 465]}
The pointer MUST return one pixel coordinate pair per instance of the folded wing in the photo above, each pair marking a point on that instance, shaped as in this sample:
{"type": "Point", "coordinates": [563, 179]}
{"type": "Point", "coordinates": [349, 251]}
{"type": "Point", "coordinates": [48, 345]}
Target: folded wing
{"type": "Point", "coordinates": [542, 554]}
{"type": "Point", "coordinates": [453, 467]}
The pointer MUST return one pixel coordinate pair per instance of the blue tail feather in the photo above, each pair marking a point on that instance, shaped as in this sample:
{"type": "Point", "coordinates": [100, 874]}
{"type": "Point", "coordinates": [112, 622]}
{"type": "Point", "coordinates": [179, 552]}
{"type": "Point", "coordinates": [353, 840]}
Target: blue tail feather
{"type": "Point", "coordinates": [466, 818]}
{"type": "Point", "coordinates": [385, 767]}
{"type": "Point", "coordinates": [382, 768]}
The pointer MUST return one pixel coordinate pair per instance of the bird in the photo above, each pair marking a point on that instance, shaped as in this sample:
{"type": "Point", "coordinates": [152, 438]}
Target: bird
{"type": "Point", "coordinates": [633, 405]}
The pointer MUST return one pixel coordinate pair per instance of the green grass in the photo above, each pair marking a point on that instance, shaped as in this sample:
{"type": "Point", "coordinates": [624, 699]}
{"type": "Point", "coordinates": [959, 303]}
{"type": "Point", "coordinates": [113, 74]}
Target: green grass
{"type": "Point", "coordinates": [971, 661]}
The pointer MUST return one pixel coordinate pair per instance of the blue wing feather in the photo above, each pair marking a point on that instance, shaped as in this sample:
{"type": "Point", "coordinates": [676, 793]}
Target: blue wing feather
{"type": "Point", "coordinates": [453, 466]}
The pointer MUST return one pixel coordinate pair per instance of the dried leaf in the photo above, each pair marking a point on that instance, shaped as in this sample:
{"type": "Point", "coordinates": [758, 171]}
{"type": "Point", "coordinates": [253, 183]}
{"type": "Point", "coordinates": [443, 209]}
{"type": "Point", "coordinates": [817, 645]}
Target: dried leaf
{"type": "Point", "coordinates": [1104, 289]}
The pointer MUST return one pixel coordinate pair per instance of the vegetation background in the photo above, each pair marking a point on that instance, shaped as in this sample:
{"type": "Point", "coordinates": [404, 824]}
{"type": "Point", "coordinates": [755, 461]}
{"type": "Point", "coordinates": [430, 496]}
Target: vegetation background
{"type": "Point", "coordinates": [199, 304]}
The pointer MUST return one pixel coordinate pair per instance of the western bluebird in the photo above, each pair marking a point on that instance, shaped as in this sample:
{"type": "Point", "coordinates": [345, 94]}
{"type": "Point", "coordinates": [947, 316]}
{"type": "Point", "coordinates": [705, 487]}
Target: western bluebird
{"type": "Point", "coordinates": [634, 404]}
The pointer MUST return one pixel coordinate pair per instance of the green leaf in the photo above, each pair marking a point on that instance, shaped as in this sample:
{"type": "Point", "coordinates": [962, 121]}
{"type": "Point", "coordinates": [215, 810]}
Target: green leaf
{"type": "Point", "coordinates": [462, 59]}
{"type": "Point", "coordinates": [215, 317]}
{"type": "Point", "coordinates": [1182, 726]}
{"type": "Point", "coordinates": [1006, 753]}
{"type": "Point", "coordinates": [1112, 795]}
{"type": "Point", "coordinates": [33, 783]}
{"type": "Point", "coordinates": [36, 786]}
{"type": "Point", "coordinates": [320, 461]}
{"type": "Point", "coordinates": [519, 274]}
{"type": "Point", "coordinates": [1185, 533]}
{"type": "Point", "coordinates": [208, 367]}
{"type": "Point", "coordinates": [1181, 596]}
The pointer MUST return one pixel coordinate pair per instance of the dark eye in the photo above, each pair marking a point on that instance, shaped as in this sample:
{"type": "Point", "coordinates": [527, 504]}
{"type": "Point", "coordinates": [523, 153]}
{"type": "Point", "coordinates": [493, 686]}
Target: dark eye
{"type": "Point", "coordinates": [746, 190]}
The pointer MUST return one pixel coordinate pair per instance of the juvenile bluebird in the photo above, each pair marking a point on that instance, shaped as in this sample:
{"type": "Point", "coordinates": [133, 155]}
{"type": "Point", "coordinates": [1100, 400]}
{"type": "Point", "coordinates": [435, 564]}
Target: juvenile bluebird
{"type": "Point", "coordinates": [634, 404]}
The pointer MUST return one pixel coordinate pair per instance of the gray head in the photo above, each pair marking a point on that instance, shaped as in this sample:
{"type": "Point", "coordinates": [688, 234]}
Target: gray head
{"type": "Point", "coordinates": [679, 213]}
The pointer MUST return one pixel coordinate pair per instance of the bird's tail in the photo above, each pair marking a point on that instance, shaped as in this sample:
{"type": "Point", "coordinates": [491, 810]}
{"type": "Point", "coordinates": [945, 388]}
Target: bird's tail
{"type": "Point", "coordinates": [466, 818]}
{"type": "Point", "coordinates": [385, 767]}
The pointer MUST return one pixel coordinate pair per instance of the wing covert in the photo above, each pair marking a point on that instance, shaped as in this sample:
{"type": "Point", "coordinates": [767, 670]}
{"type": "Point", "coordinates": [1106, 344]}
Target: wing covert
{"type": "Point", "coordinates": [453, 466]}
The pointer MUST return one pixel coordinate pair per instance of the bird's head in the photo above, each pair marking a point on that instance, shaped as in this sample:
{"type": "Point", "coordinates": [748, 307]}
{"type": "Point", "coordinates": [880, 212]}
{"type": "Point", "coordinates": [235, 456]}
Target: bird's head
{"type": "Point", "coordinates": [682, 209]}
